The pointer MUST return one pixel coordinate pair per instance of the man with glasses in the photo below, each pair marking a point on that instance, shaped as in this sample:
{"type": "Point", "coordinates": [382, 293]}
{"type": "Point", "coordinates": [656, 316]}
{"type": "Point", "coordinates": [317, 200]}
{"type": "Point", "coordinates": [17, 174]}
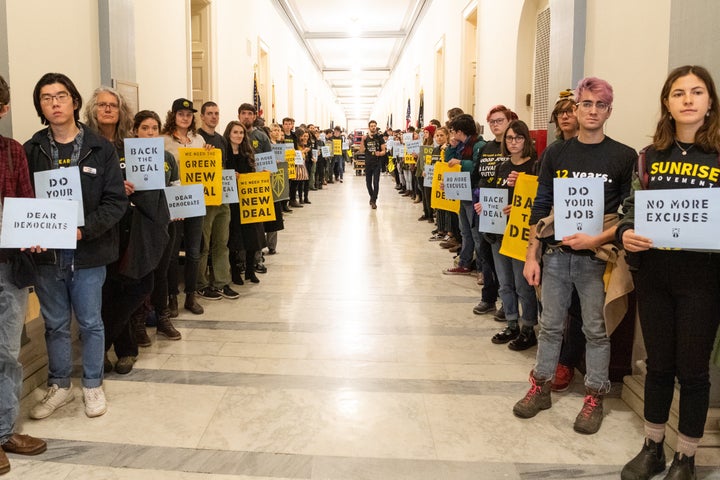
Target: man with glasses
{"type": "Point", "coordinates": [72, 282]}
{"type": "Point", "coordinates": [569, 261]}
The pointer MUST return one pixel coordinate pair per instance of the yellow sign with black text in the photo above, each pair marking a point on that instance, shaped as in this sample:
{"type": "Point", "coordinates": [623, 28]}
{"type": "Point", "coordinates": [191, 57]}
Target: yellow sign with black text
{"type": "Point", "coordinates": [256, 197]}
{"type": "Point", "coordinates": [517, 232]}
{"type": "Point", "coordinates": [198, 165]}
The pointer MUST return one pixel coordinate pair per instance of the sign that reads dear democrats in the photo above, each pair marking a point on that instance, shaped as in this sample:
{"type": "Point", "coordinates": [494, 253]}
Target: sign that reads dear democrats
{"type": "Point", "coordinates": [682, 218]}
{"type": "Point", "coordinates": [27, 222]}
{"type": "Point", "coordinates": [579, 206]}
{"type": "Point", "coordinates": [185, 201]}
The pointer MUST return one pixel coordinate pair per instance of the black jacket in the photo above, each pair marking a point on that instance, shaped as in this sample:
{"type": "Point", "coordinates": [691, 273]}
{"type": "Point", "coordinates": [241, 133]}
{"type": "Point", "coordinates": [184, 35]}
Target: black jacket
{"type": "Point", "coordinates": [103, 191]}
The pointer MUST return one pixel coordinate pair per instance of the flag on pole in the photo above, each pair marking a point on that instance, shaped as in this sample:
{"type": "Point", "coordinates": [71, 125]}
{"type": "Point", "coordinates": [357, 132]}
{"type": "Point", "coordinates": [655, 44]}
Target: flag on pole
{"type": "Point", "coordinates": [256, 96]}
{"type": "Point", "coordinates": [421, 111]}
{"type": "Point", "coordinates": [391, 120]}
{"type": "Point", "coordinates": [408, 117]}
{"type": "Point", "coordinates": [273, 102]}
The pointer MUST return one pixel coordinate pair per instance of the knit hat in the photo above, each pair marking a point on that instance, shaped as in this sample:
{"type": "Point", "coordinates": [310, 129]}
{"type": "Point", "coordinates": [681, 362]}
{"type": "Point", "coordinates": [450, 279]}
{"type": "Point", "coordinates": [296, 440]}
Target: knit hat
{"type": "Point", "coordinates": [430, 129]}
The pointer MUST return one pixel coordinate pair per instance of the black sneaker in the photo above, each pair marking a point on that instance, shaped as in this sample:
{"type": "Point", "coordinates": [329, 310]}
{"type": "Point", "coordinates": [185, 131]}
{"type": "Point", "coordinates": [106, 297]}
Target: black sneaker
{"type": "Point", "coordinates": [209, 293]}
{"type": "Point", "coordinates": [260, 268]}
{"type": "Point", "coordinates": [525, 340]}
{"type": "Point", "coordinates": [483, 308]}
{"type": "Point", "coordinates": [228, 292]}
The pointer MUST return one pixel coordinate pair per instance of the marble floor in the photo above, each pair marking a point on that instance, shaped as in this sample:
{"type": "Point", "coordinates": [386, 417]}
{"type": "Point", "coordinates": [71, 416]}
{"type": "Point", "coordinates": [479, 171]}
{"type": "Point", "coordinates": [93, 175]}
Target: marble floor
{"type": "Point", "coordinates": [354, 358]}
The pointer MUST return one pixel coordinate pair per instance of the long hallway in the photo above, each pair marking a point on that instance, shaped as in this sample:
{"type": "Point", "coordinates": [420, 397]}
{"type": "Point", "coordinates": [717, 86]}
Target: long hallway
{"type": "Point", "coordinates": [354, 358]}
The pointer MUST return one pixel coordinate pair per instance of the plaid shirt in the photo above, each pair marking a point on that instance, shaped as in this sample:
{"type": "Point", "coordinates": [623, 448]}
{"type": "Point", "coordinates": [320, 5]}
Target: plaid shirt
{"type": "Point", "coordinates": [15, 177]}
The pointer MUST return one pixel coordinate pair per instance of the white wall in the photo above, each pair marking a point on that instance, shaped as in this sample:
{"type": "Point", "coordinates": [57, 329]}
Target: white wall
{"type": "Point", "coordinates": [622, 49]}
{"type": "Point", "coordinates": [161, 38]}
{"type": "Point", "coordinates": [41, 38]}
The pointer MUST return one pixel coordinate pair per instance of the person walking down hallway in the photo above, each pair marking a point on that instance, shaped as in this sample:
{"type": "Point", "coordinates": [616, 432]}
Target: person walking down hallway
{"type": "Point", "coordinates": [374, 148]}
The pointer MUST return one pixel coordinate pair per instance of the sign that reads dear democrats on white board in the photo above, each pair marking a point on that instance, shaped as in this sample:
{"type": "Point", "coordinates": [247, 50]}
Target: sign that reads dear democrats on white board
{"type": "Point", "coordinates": [682, 218]}
{"type": "Point", "coordinates": [34, 221]}
{"type": "Point", "coordinates": [579, 205]}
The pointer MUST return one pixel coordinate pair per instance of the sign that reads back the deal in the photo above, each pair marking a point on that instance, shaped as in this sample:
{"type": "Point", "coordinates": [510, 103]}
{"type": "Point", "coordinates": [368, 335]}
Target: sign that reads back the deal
{"type": "Point", "coordinates": [457, 185]}
{"type": "Point", "coordinates": [579, 205]}
{"type": "Point", "coordinates": [517, 233]}
{"type": "Point", "coordinates": [145, 163]}
{"type": "Point", "coordinates": [62, 184]}
{"type": "Point", "coordinates": [492, 219]}
{"type": "Point", "coordinates": [229, 183]}
{"type": "Point", "coordinates": [682, 218]}
{"type": "Point", "coordinates": [198, 165]}
{"type": "Point", "coordinates": [256, 198]}
{"type": "Point", "coordinates": [27, 222]}
{"type": "Point", "coordinates": [185, 201]}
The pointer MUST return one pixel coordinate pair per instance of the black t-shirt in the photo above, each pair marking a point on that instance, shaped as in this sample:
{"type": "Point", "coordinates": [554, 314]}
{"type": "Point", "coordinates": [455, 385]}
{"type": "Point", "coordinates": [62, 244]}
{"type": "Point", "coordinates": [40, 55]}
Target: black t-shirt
{"type": "Point", "coordinates": [610, 160]}
{"type": "Point", "coordinates": [503, 170]}
{"type": "Point", "coordinates": [490, 157]}
{"type": "Point", "coordinates": [217, 141]}
{"type": "Point", "coordinates": [64, 154]}
{"type": "Point", "coordinates": [373, 143]}
{"type": "Point", "coordinates": [671, 169]}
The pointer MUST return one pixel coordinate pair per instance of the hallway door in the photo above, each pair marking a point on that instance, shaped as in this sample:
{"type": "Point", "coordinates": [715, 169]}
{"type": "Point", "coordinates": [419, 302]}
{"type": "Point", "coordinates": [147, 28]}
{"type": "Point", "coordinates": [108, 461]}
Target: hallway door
{"type": "Point", "coordinates": [200, 31]}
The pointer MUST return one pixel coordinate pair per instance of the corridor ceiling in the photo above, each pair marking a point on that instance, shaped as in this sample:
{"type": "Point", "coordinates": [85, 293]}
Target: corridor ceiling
{"type": "Point", "coordinates": [354, 44]}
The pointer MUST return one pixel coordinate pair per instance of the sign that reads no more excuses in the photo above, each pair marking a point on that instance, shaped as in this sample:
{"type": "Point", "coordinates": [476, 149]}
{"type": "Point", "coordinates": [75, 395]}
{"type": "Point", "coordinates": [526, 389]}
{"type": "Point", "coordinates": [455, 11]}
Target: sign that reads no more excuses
{"type": "Point", "coordinates": [457, 185]}
{"type": "Point", "coordinates": [579, 205]}
{"type": "Point", "coordinates": [682, 218]}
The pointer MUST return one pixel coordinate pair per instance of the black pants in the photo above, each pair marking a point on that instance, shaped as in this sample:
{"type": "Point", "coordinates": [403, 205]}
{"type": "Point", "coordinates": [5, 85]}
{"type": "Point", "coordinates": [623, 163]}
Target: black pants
{"type": "Point", "coordinates": [121, 297]}
{"type": "Point", "coordinates": [372, 178]}
{"type": "Point", "coordinates": [679, 308]}
{"type": "Point", "coordinates": [487, 266]}
{"type": "Point", "coordinates": [159, 296]}
{"type": "Point", "coordinates": [573, 346]}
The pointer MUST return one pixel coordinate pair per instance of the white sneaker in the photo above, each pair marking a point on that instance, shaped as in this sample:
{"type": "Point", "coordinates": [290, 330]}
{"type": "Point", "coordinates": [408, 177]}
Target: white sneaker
{"type": "Point", "coordinates": [55, 397]}
{"type": "Point", "coordinates": [94, 399]}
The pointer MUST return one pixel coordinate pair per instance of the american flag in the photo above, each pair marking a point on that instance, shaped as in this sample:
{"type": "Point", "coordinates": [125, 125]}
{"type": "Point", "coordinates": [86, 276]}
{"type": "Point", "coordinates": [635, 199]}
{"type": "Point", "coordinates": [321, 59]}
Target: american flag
{"type": "Point", "coordinates": [407, 116]}
{"type": "Point", "coordinates": [256, 96]}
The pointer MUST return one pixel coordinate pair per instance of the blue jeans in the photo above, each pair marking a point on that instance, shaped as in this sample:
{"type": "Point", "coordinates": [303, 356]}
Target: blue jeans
{"type": "Point", "coordinates": [12, 316]}
{"type": "Point", "coordinates": [562, 270]}
{"type": "Point", "coordinates": [514, 287]}
{"type": "Point", "coordinates": [62, 290]}
{"type": "Point", "coordinates": [470, 235]}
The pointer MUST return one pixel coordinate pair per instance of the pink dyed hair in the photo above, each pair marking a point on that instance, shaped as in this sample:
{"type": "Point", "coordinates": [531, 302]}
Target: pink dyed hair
{"type": "Point", "coordinates": [595, 85]}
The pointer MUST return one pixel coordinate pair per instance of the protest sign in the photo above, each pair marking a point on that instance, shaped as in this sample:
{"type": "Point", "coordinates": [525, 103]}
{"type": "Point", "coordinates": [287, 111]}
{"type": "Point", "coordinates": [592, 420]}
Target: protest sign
{"type": "Point", "coordinates": [437, 198]}
{"type": "Point", "coordinates": [62, 184]}
{"type": "Point", "coordinates": [229, 185]}
{"type": "Point", "coordinates": [266, 161]}
{"type": "Point", "coordinates": [325, 151]}
{"type": "Point", "coordinates": [492, 219]}
{"type": "Point", "coordinates": [280, 183]}
{"type": "Point", "coordinates": [413, 146]}
{"type": "Point", "coordinates": [457, 186]}
{"type": "Point", "coordinates": [428, 179]}
{"type": "Point", "coordinates": [145, 163]}
{"type": "Point", "coordinates": [426, 152]}
{"type": "Point", "coordinates": [185, 201]}
{"type": "Point", "coordinates": [579, 204]}
{"type": "Point", "coordinates": [299, 159]}
{"type": "Point", "coordinates": [201, 166]}
{"type": "Point", "coordinates": [27, 222]}
{"type": "Point", "coordinates": [517, 232]}
{"type": "Point", "coordinates": [256, 198]}
{"type": "Point", "coordinates": [679, 218]}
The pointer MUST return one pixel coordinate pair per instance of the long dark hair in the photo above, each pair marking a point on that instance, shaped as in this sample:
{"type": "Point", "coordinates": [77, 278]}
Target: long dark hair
{"type": "Point", "coordinates": [245, 147]}
{"type": "Point", "coordinates": [520, 128]}
{"type": "Point", "coordinates": [707, 138]}
{"type": "Point", "coordinates": [170, 126]}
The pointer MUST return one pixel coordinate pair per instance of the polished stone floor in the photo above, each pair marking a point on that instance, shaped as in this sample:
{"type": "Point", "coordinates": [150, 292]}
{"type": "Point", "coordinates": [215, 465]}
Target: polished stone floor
{"type": "Point", "coordinates": [354, 358]}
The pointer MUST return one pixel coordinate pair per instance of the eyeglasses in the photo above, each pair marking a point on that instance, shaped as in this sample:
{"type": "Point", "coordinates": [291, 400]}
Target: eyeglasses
{"type": "Point", "coordinates": [511, 139]}
{"type": "Point", "coordinates": [62, 97]}
{"type": "Point", "coordinates": [104, 106]}
{"type": "Point", "coordinates": [567, 111]}
{"type": "Point", "coordinates": [497, 121]}
{"type": "Point", "coordinates": [587, 105]}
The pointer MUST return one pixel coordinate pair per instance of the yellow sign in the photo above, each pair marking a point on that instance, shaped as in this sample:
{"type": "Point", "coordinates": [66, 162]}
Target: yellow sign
{"type": "Point", "coordinates": [337, 146]}
{"type": "Point", "coordinates": [256, 198]}
{"type": "Point", "coordinates": [437, 198]}
{"type": "Point", "coordinates": [517, 232]}
{"type": "Point", "coordinates": [410, 159]}
{"type": "Point", "coordinates": [427, 151]}
{"type": "Point", "coordinates": [198, 165]}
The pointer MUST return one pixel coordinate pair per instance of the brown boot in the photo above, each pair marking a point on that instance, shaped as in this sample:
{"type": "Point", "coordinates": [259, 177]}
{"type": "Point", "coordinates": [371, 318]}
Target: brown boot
{"type": "Point", "coordinates": [165, 327]}
{"type": "Point", "coordinates": [536, 399]}
{"type": "Point", "coordinates": [173, 306]}
{"type": "Point", "coordinates": [192, 305]}
{"type": "Point", "coordinates": [137, 320]}
{"type": "Point", "coordinates": [590, 418]}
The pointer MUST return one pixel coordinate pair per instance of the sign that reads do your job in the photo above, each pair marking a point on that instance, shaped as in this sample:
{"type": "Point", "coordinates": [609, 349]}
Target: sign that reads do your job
{"type": "Point", "coordinates": [62, 184]}
{"type": "Point", "coordinates": [682, 218]}
{"type": "Point", "coordinates": [579, 205]}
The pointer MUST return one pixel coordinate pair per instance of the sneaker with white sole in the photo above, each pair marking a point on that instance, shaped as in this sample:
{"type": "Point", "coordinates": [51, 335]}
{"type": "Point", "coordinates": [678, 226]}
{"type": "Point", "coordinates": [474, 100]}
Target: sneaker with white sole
{"type": "Point", "coordinates": [55, 397]}
{"type": "Point", "coordinates": [95, 404]}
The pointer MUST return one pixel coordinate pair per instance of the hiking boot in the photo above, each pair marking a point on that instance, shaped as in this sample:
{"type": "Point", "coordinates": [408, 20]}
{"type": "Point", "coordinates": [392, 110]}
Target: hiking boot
{"type": "Point", "coordinates": [95, 404]}
{"type": "Point", "coordinates": [139, 331]}
{"type": "Point", "coordinates": [165, 327]}
{"type": "Point", "coordinates": [563, 378]}
{"type": "Point", "coordinates": [483, 308]}
{"type": "Point", "coordinates": [192, 305]}
{"type": "Point", "coordinates": [525, 340]}
{"type": "Point", "coordinates": [505, 336]}
{"type": "Point", "coordinates": [536, 399]}
{"type": "Point", "coordinates": [173, 306]}
{"type": "Point", "coordinates": [55, 397]}
{"type": "Point", "coordinates": [107, 364]}
{"type": "Point", "coordinates": [590, 418]}
{"type": "Point", "coordinates": [209, 293]}
{"type": "Point", "coordinates": [681, 468]}
{"type": "Point", "coordinates": [124, 365]}
{"type": "Point", "coordinates": [500, 315]}
{"type": "Point", "coordinates": [650, 461]}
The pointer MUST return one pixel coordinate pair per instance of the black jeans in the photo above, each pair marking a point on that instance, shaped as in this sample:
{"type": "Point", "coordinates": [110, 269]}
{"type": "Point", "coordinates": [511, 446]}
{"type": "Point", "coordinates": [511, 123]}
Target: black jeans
{"type": "Point", "coordinates": [372, 178]}
{"type": "Point", "coordinates": [191, 230]}
{"type": "Point", "coordinates": [121, 297]}
{"type": "Point", "coordinates": [679, 308]}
